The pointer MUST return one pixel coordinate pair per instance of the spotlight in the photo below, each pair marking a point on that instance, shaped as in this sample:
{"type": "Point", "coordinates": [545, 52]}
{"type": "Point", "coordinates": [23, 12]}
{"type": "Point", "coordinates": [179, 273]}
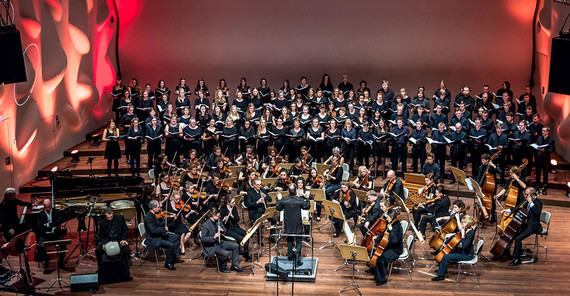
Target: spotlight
{"type": "Point", "coordinates": [95, 140]}
{"type": "Point", "coordinates": [568, 189]}
{"type": "Point", "coordinates": [54, 169]}
{"type": "Point", "coordinates": [554, 163]}
{"type": "Point", "coordinates": [75, 156]}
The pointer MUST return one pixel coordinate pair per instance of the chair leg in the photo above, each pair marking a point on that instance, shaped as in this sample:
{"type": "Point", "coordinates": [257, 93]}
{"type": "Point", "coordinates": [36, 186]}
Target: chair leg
{"type": "Point", "coordinates": [408, 270]}
{"type": "Point", "coordinates": [156, 257]}
{"type": "Point", "coordinates": [389, 270]}
{"type": "Point", "coordinates": [458, 272]}
{"type": "Point", "coordinates": [217, 265]}
{"type": "Point", "coordinates": [144, 253]}
{"type": "Point", "coordinates": [476, 270]}
{"type": "Point", "coordinates": [203, 262]}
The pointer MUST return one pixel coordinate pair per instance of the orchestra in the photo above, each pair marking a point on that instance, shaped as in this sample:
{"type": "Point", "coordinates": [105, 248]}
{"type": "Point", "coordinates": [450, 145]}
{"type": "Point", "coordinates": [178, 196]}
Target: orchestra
{"type": "Point", "coordinates": [288, 139]}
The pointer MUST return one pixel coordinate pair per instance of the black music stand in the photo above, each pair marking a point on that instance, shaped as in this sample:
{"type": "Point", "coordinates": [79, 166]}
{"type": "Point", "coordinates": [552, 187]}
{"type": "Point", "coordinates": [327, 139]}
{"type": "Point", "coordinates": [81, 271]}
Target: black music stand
{"type": "Point", "coordinates": [59, 244]}
{"type": "Point", "coordinates": [17, 243]}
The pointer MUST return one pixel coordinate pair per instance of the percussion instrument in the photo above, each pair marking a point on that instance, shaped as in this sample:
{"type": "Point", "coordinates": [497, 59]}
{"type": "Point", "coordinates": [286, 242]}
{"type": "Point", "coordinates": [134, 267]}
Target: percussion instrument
{"type": "Point", "coordinates": [112, 248]}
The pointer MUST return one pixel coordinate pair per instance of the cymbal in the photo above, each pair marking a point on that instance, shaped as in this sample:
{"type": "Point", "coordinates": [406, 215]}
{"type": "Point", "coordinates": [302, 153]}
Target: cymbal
{"type": "Point", "coordinates": [94, 198]}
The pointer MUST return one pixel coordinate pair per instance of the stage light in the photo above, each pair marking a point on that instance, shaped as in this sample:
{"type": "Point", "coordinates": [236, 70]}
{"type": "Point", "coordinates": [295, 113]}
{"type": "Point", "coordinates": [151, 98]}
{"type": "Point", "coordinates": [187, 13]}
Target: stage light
{"type": "Point", "coordinates": [54, 169]}
{"type": "Point", "coordinates": [568, 189]}
{"type": "Point", "coordinates": [554, 163]}
{"type": "Point", "coordinates": [75, 156]}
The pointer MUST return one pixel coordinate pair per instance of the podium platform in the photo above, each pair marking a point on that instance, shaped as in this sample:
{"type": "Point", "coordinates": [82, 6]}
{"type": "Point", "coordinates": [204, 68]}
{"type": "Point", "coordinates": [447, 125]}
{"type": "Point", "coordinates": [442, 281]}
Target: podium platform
{"type": "Point", "coordinates": [304, 273]}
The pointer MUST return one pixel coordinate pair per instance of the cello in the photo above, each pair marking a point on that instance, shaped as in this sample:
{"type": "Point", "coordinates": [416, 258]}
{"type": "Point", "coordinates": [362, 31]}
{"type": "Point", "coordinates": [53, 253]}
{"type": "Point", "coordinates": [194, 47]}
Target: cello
{"type": "Point", "coordinates": [488, 186]}
{"type": "Point", "coordinates": [377, 228]}
{"type": "Point", "coordinates": [509, 233]}
{"type": "Point", "coordinates": [379, 250]}
{"type": "Point", "coordinates": [450, 226]}
{"type": "Point", "coordinates": [511, 199]}
{"type": "Point", "coordinates": [453, 242]}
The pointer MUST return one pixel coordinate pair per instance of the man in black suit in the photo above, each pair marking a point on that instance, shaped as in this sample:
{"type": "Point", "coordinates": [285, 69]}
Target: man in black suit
{"type": "Point", "coordinates": [114, 229]}
{"type": "Point", "coordinates": [255, 200]}
{"type": "Point", "coordinates": [9, 220]}
{"type": "Point", "coordinates": [157, 236]}
{"type": "Point", "coordinates": [49, 228]}
{"type": "Point", "coordinates": [292, 205]}
{"type": "Point", "coordinates": [534, 207]}
{"type": "Point", "coordinates": [394, 185]}
{"type": "Point", "coordinates": [214, 245]}
{"type": "Point", "coordinates": [462, 252]}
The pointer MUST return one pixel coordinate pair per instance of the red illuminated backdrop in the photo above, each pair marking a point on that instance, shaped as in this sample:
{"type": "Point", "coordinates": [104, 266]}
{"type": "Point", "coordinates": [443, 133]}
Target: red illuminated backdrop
{"type": "Point", "coordinates": [70, 65]}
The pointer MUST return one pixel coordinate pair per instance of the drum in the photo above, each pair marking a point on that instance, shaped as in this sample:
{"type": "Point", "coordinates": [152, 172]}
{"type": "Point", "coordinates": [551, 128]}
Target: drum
{"type": "Point", "coordinates": [121, 204]}
{"type": "Point", "coordinates": [112, 249]}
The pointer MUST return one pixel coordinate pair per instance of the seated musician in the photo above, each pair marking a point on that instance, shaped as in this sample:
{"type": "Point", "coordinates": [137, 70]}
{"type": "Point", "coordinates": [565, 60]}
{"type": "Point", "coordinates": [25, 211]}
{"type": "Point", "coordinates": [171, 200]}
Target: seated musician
{"type": "Point", "coordinates": [515, 181]}
{"type": "Point", "coordinates": [393, 249]}
{"type": "Point", "coordinates": [249, 155]}
{"type": "Point", "coordinates": [333, 177]}
{"type": "Point", "coordinates": [193, 175]}
{"type": "Point", "coordinates": [49, 228]}
{"type": "Point", "coordinates": [230, 220]}
{"type": "Point", "coordinates": [487, 165]}
{"type": "Point", "coordinates": [436, 207]}
{"type": "Point", "coordinates": [242, 175]}
{"type": "Point", "coordinates": [9, 220]}
{"type": "Point", "coordinates": [393, 185]}
{"type": "Point", "coordinates": [534, 207]}
{"type": "Point", "coordinates": [457, 211]}
{"type": "Point", "coordinates": [374, 213]}
{"type": "Point", "coordinates": [271, 154]}
{"type": "Point", "coordinates": [214, 245]}
{"type": "Point", "coordinates": [221, 169]}
{"type": "Point", "coordinates": [283, 181]}
{"type": "Point", "coordinates": [297, 170]}
{"type": "Point", "coordinates": [315, 182]}
{"type": "Point", "coordinates": [176, 223]}
{"type": "Point", "coordinates": [464, 251]}
{"type": "Point", "coordinates": [335, 153]}
{"type": "Point", "coordinates": [158, 236]}
{"type": "Point", "coordinates": [211, 159]}
{"type": "Point", "coordinates": [306, 158]}
{"type": "Point", "coordinates": [363, 181]}
{"type": "Point", "coordinates": [114, 229]}
{"type": "Point", "coordinates": [191, 194]}
{"type": "Point", "coordinates": [215, 191]}
{"type": "Point", "coordinates": [347, 200]}
{"type": "Point", "coordinates": [292, 205]}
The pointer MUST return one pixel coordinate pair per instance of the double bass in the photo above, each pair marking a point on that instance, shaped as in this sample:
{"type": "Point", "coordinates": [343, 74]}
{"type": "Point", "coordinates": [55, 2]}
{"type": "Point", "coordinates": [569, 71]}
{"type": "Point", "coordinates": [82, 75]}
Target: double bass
{"type": "Point", "coordinates": [453, 242]}
{"type": "Point", "coordinates": [488, 186]}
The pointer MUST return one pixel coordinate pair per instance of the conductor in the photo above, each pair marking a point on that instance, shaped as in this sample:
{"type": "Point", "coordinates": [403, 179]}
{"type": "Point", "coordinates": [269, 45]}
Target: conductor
{"type": "Point", "coordinates": [292, 205]}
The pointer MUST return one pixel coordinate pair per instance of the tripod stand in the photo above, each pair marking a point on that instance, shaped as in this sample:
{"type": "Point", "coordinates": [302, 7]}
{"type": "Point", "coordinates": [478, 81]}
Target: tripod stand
{"type": "Point", "coordinates": [90, 163]}
{"type": "Point", "coordinates": [95, 223]}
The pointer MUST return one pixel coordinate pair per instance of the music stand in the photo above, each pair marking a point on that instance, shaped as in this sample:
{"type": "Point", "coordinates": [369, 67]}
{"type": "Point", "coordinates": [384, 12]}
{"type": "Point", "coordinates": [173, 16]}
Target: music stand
{"type": "Point", "coordinates": [459, 176]}
{"type": "Point", "coordinates": [17, 243]}
{"type": "Point", "coordinates": [333, 210]}
{"type": "Point", "coordinates": [271, 212]}
{"type": "Point", "coordinates": [351, 240]}
{"type": "Point", "coordinates": [473, 185]}
{"type": "Point", "coordinates": [361, 195]}
{"type": "Point", "coordinates": [353, 253]}
{"type": "Point", "coordinates": [248, 235]}
{"type": "Point", "coordinates": [318, 195]}
{"type": "Point", "coordinates": [59, 244]}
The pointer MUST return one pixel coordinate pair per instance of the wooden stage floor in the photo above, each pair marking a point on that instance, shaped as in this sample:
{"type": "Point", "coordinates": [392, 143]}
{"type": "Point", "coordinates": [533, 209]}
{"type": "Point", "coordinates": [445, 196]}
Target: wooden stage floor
{"type": "Point", "coordinates": [544, 277]}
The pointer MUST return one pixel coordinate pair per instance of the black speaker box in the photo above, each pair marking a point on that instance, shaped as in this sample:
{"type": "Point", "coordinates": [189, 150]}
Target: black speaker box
{"type": "Point", "coordinates": [559, 81]}
{"type": "Point", "coordinates": [12, 68]}
{"type": "Point", "coordinates": [84, 282]}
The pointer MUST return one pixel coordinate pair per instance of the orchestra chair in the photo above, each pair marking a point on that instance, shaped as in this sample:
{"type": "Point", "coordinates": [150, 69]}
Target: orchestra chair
{"type": "Point", "coordinates": [146, 250]}
{"type": "Point", "coordinates": [406, 193]}
{"type": "Point", "coordinates": [472, 262]}
{"type": "Point", "coordinates": [151, 176]}
{"type": "Point", "coordinates": [345, 175]}
{"type": "Point", "coordinates": [545, 220]}
{"type": "Point", "coordinates": [405, 254]}
{"type": "Point", "coordinates": [345, 168]}
{"type": "Point", "coordinates": [207, 258]}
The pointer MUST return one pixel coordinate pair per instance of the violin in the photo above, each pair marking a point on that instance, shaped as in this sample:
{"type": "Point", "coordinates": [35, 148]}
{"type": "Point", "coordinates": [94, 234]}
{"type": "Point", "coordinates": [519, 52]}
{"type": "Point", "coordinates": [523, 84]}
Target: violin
{"type": "Point", "coordinates": [225, 170]}
{"type": "Point", "coordinates": [222, 185]}
{"type": "Point", "coordinates": [182, 205]}
{"type": "Point", "coordinates": [195, 194]}
{"type": "Point", "coordinates": [345, 197]}
{"type": "Point", "coordinates": [365, 212]}
{"type": "Point", "coordinates": [225, 159]}
{"type": "Point", "coordinates": [316, 181]}
{"type": "Point", "coordinates": [164, 214]}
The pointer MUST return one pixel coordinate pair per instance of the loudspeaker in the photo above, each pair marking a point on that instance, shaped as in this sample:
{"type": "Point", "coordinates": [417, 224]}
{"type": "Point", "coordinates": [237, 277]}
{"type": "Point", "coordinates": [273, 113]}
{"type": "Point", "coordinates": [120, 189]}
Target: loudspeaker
{"type": "Point", "coordinates": [12, 68]}
{"type": "Point", "coordinates": [559, 81]}
{"type": "Point", "coordinates": [84, 282]}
